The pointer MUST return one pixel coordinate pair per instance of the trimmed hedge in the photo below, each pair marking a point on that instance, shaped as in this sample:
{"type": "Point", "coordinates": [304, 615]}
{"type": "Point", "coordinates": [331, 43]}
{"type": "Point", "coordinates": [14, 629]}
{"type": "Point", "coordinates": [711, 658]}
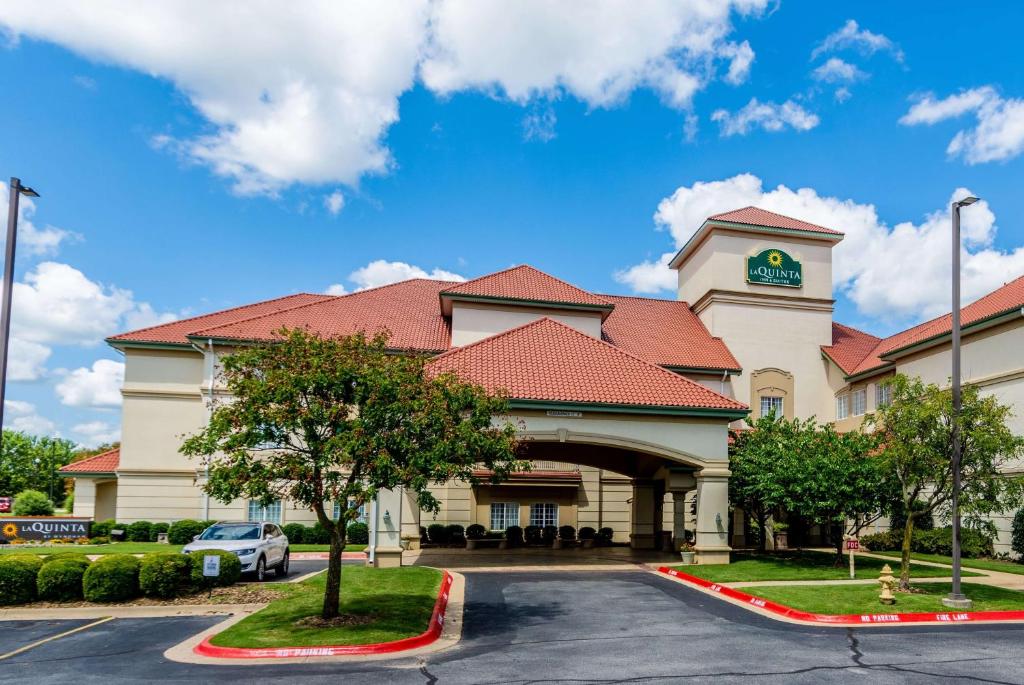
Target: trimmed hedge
{"type": "Point", "coordinates": [181, 532]}
{"type": "Point", "coordinates": [567, 533]}
{"type": "Point", "coordinates": [605, 535]}
{"type": "Point", "coordinates": [140, 531]}
{"type": "Point", "coordinates": [295, 532]}
{"type": "Point", "coordinates": [548, 534]}
{"type": "Point", "coordinates": [513, 536]}
{"type": "Point", "coordinates": [533, 535]}
{"type": "Point", "coordinates": [476, 532]}
{"type": "Point", "coordinates": [18, 578]}
{"type": "Point", "coordinates": [456, 534]}
{"type": "Point", "coordinates": [32, 503]}
{"type": "Point", "coordinates": [357, 533]}
{"type": "Point", "coordinates": [587, 533]}
{"type": "Point", "coordinates": [158, 528]}
{"type": "Point", "coordinates": [230, 569]}
{"type": "Point", "coordinates": [101, 529]}
{"type": "Point", "coordinates": [1017, 533]}
{"type": "Point", "coordinates": [61, 580]}
{"type": "Point", "coordinates": [939, 541]}
{"type": "Point", "coordinates": [165, 575]}
{"type": "Point", "coordinates": [438, 533]}
{"type": "Point", "coordinates": [112, 578]}
{"type": "Point", "coordinates": [317, 535]}
{"type": "Point", "coordinates": [75, 557]}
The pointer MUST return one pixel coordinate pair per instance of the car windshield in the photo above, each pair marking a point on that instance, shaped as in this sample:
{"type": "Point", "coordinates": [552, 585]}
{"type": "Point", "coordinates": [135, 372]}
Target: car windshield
{"type": "Point", "coordinates": [244, 531]}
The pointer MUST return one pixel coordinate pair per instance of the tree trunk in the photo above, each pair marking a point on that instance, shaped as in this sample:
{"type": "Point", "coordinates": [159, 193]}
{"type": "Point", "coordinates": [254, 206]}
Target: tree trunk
{"type": "Point", "coordinates": [762, 523]}
{"type": "Point", "coordinates": [908, 533]}
{"type": "Point", "coordinates": [836, 531]}
{"type": "Point", "coordinates": [332, 594]}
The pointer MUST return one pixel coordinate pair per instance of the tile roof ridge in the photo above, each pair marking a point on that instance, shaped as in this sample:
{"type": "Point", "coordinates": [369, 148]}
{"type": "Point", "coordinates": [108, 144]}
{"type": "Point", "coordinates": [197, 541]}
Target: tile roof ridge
{"type": "Point", "coordinates": [522, 266]}
{"type": "Point", "coordinates": [855, 330]}
{"type": "Point", "coordinates": [322, 296]}
{"type": "Point", "coordinates": [93, 458]}
{"type": "Point", "coordinates": [645, 299]}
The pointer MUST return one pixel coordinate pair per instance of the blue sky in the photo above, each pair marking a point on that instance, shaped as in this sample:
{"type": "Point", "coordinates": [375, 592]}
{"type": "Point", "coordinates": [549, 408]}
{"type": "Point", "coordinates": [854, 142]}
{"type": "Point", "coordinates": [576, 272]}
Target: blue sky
{"type": "Point", "coordinates": [182, 175]}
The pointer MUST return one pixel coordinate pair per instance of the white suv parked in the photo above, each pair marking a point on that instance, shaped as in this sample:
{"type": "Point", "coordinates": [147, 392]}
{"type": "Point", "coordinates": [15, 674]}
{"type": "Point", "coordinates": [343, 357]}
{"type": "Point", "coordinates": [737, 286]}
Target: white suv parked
{"type": "Point", "coordinates": [259, 546]}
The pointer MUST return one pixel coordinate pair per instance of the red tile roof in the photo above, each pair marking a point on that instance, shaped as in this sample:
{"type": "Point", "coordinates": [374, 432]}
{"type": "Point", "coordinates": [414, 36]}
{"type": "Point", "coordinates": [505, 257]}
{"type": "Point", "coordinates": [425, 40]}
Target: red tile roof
{"type": "Point", "coordinates": [849, 346]}
{"type": "Point", "coordinates": [526, 283]}
{"type": "Point", "coordinates": [106, 462]}
{"type": "Point", "coordinates": [176, 332]}
{"type": "Point", "coordinates": [549, 361]}
{"type": "Point", "coordinates": [664, 332]}
{"type": "Point", "coordinates": [755, 216]}
{"type": "Point", "coordinates": [408, 310]}
{"type": "Point", "coordinates": [1003, 300]}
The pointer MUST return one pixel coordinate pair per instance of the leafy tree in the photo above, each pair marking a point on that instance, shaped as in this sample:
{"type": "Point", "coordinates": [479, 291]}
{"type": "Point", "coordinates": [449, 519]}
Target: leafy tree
{"type": "Point", "coordinates": [320, 420]}
{"type": "Point", "coordinates": [32, 503]}
{"type": "Point", "coordinates": [757, 483]}
{"type": "Point", "coordinates": [915, 429]}
{"type": "Point", "coordinates": [32, 463]}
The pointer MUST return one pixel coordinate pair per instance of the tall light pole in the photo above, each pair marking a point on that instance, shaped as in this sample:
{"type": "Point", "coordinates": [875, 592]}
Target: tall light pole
{"type": "Point", "coordinates": [956, 598]}
{"type": "Point", "coordinates": [17, 190]}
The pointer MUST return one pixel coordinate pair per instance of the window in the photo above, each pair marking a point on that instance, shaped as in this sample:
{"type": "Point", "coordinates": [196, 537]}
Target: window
{"type": "Point", "coordinates": [771, 405]}
{"type": "Point", "coordinates": [883, 395]}
{"type": "Point", "coordinates": [544, 514]}
{"type": "Point", "coordinates": [361, 518]}
{"type": "Point", "coordinates": [504, 514]}
{"type": "Point", "coordinates": [271, 512]}
{"type": "Point", "coordinates": [860, 401]}
{"type": "Point", "coordinates": [842, 407]}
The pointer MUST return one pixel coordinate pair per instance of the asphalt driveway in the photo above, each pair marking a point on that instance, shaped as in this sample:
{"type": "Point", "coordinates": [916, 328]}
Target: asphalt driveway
{"type": "Point", "coordinates": [553, 627]}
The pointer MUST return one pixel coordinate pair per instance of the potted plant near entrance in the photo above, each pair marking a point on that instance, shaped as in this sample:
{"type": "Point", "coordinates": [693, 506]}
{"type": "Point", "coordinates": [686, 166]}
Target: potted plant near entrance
{"type": "Point", "coordinates": [473, 533]}
{"type": "Point", "coordinates": [686, 552]}
{"type": "Point", "coordinates": [781, 535]}
{"type": "Point", "coordinates": [587, 535]}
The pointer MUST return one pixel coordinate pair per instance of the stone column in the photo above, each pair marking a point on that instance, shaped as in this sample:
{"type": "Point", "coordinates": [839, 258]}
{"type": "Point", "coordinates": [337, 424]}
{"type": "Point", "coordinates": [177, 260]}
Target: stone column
{"type": "Point", "coordinates": [410, 521]}
{"type": "Point", "coordinates": [387, 537]}
{"type": "Point", "coordinates": [713, 516]}
{"type": "Point", "coordinates": [680, 509]}
{"type": "Point", "coordinates": [643, 527]}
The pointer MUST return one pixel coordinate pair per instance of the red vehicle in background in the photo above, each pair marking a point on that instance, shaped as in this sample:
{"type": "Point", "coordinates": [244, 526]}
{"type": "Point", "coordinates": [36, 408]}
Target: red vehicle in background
{"type": "Point", "coordinates": [5, 505]}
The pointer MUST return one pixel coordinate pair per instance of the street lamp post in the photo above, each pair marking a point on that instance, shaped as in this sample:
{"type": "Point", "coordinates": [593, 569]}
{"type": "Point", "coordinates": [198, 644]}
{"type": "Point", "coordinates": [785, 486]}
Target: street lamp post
{"type": "Point", "coordinates": [17, 190]}
{"type": "Point", "coordinates": [956, 599]}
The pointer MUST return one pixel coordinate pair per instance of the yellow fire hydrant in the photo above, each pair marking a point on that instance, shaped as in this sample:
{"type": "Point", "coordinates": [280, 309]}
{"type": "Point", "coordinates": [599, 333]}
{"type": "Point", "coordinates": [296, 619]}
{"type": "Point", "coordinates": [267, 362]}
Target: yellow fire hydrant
{"type": "Point", "coordinates": [888, 583]}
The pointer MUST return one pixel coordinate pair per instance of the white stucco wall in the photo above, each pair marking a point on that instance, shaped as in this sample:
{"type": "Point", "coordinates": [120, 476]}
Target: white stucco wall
{"type": "Point", "coordinates": [472, 322]}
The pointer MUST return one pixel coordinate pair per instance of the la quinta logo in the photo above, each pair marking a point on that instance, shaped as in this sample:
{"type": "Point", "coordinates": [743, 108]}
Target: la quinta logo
{"type": "Point", "coordinates": [774, 267]}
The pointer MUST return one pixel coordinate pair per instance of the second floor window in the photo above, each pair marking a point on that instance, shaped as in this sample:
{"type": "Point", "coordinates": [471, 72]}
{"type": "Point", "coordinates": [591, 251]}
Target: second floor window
{"type": "Point", "coordinates": [771, 405]}
{"type": "Point", "coordinates": [883, 395]}
{"type": "Point", "coordinates": [860, 402]}
{"type": "Point", "coordinates": [842, 407]}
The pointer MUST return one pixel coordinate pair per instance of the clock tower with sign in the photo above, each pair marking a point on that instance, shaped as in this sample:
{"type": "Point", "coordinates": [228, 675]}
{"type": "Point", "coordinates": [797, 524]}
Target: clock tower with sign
{"type": "Point", "coordinates": [763, 283]}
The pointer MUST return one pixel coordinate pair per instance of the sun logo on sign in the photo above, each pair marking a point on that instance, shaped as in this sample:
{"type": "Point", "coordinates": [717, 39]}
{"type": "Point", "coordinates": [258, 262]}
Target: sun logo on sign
{"type": "Point", "coordinates": [10, 530]}
{"type": "Point", "coordinates": [775, 258]}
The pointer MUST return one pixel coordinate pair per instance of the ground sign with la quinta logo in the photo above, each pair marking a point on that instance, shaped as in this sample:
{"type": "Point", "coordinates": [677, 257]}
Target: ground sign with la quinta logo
{"type": "Point", "coordinates": [774, 267]}
{"type": "Point", "coordinates": [44, 528]}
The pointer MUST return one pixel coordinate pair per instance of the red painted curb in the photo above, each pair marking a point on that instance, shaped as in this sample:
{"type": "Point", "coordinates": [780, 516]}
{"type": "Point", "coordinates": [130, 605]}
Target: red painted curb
{"type": "Point", "coordinates": [312, 556]}
{"type": "Point", "coordinates": [845, 619]}
{"type": "Point", "coordinates": [425, 638]}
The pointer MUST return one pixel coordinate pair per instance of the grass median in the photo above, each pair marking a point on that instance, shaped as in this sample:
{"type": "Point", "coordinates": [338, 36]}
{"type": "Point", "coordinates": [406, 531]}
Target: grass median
{"type": "Point", "coordinates": [863, 599]}
{"type": "Point", "coordinates": [983, 564]}
{"type": "Point", "coordinates": [801, 565]}
{"type": "Point", "coordinates": [381, 604]}
{"type": "Point", "coordinates": [139, 548]}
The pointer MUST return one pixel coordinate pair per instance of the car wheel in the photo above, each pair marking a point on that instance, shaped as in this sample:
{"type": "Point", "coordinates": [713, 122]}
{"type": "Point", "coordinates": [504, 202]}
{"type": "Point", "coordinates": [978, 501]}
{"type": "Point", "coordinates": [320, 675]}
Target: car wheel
{"type": "Point", "coordinates": [282, 569]}
{"type": "Point", "coordinates": [261, 570]}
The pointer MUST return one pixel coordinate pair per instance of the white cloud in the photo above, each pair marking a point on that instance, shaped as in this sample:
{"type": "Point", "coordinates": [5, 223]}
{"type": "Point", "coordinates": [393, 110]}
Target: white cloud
{"type": "Point", "coordinates": [308, 96]}
{"type": "Point", "coordinates": [836, 70]}
{"type": "Point", "coordinates": [27, 360]}
{"type": "Point", "coordinates": [32, 240]}
{"type": "Point", "coordinates": [382, 272]}
{"type": "Point", "coordinates": [649, 277]}
{"type": "Point", "coordinates": [334, 202]}
{"type": "Point", "coordinates": [93, 433]}
{"type": "Point", "coordinates": [99, 386]}
{"type": "Point", "coordinates": [894, 274]}
{"type": "Point", "coordinates": [842, 94]}
{"type": "Point", "coordinates": [336, 289]}
{"type": "Point", "coordinates": [769, 116]}
{"type": "Point", "coordinates": [540, 125]}
{"type": "Point", "coordinates": [852, 37]}
{"type": "Point", "coordinates": [741, 56]}
{"type": "Point", "coordinates": [998, 134]}
{"type": "Point", "coordinates": [22, 416]}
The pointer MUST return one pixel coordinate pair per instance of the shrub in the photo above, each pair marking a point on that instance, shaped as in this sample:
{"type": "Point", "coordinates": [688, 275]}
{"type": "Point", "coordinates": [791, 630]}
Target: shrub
{"type": "Point", "coordinates": [181, 532]}
{"type": "Point", "coordinates": [973, 543]}
{"type": "Point", "coordinates": [886, 541]}
{"type": "Point", "coordinates": [456, 534]}
{"type": "Point", "coordinates": [357, 533]}
{"type": "Point", "coordinates": [18, 578]}
{"type": "Point", "coordinates": [567, 533]}
{"type": "Point", "coordinates": [477, 532]}
{"type": "Point", "coordinates": [100, 541]}
{"type": "Point", "coordinates": [165, 575]}
{"type": "Point", "coordinates": [605, 535]}
{"type": "Point", "coordinates": [111, 578]}
{"type": "Point", "coordinates": [158, 528]}
{"type": "Point", "coordinates": [513, 536]}
{"type": "Point", "coordinates": [587, 533]}
{"type": "Point", "coordinates": [548, 534]}
{"type": "Point", "coordinates": [74, 557]}
{"type": "Point", "coordinates": [295, 532]}
{"type": "Point", "coordinates": [1017, 533]}
{"type": "Point", "coordinates": [317, 535]}
{"type": "Point", "coordinates": [139, 531]}
{"type": "Point", "coordinates": [230, 569]}
{"type": "Point", "coordinates": [61, 580]}
{"type": "Point", "coordinates": [32, 503]}
{"type": "Point", "coordinates": [101, 529]}
{"type": "Point", "coordinates": [438, 533]}
{"type": "Point", "coordinates": [69, 502]}
{"type": "Point", "coordinates": [423, 534]}
{"type": "Point", "coordinates": [533, 535]}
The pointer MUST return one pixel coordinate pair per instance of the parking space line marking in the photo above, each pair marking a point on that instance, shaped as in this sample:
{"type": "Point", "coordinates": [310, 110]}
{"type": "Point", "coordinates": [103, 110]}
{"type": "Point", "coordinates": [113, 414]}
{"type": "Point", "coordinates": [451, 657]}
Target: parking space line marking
{"type": "Point", "coordinates": [20, 650]}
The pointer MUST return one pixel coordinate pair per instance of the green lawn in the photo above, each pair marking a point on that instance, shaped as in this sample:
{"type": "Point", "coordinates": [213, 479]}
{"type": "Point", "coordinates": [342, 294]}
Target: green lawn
{"type": "Point", "coordinates": [798, 565]}
{"type": "Point", "coordinates": [863, 599]}
{"type": "Point", "coordinates": [399, 600]}
{"type": "Point", "coordinates": [138, 548]}
{"type": "Point", "coordinates": [984, 564]}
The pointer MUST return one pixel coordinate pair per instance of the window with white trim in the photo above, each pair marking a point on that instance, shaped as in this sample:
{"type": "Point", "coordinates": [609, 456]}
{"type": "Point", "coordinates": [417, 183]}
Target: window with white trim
{"type": "Point", "coordinates": [544, 514]}
{"type": "Point", "coordinates": [360, 518]}
{"type": "Point", "coordinates": [883, 395]}
{"type": "Point", "coordinates": [270, 512]}
{"type": "Point", "coordinates": [770, 405]}
{"type": "Point", "coordinates": [859, 401]}
{"type": "Point", "coordinates": [842, 407]}
{"type": "Point", "coordinates": [504, 514]}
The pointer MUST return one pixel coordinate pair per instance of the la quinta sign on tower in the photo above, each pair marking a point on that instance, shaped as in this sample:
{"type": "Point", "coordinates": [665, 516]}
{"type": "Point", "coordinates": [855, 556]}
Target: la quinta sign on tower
{"type": "Point", "coordinates": [774, 267]}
